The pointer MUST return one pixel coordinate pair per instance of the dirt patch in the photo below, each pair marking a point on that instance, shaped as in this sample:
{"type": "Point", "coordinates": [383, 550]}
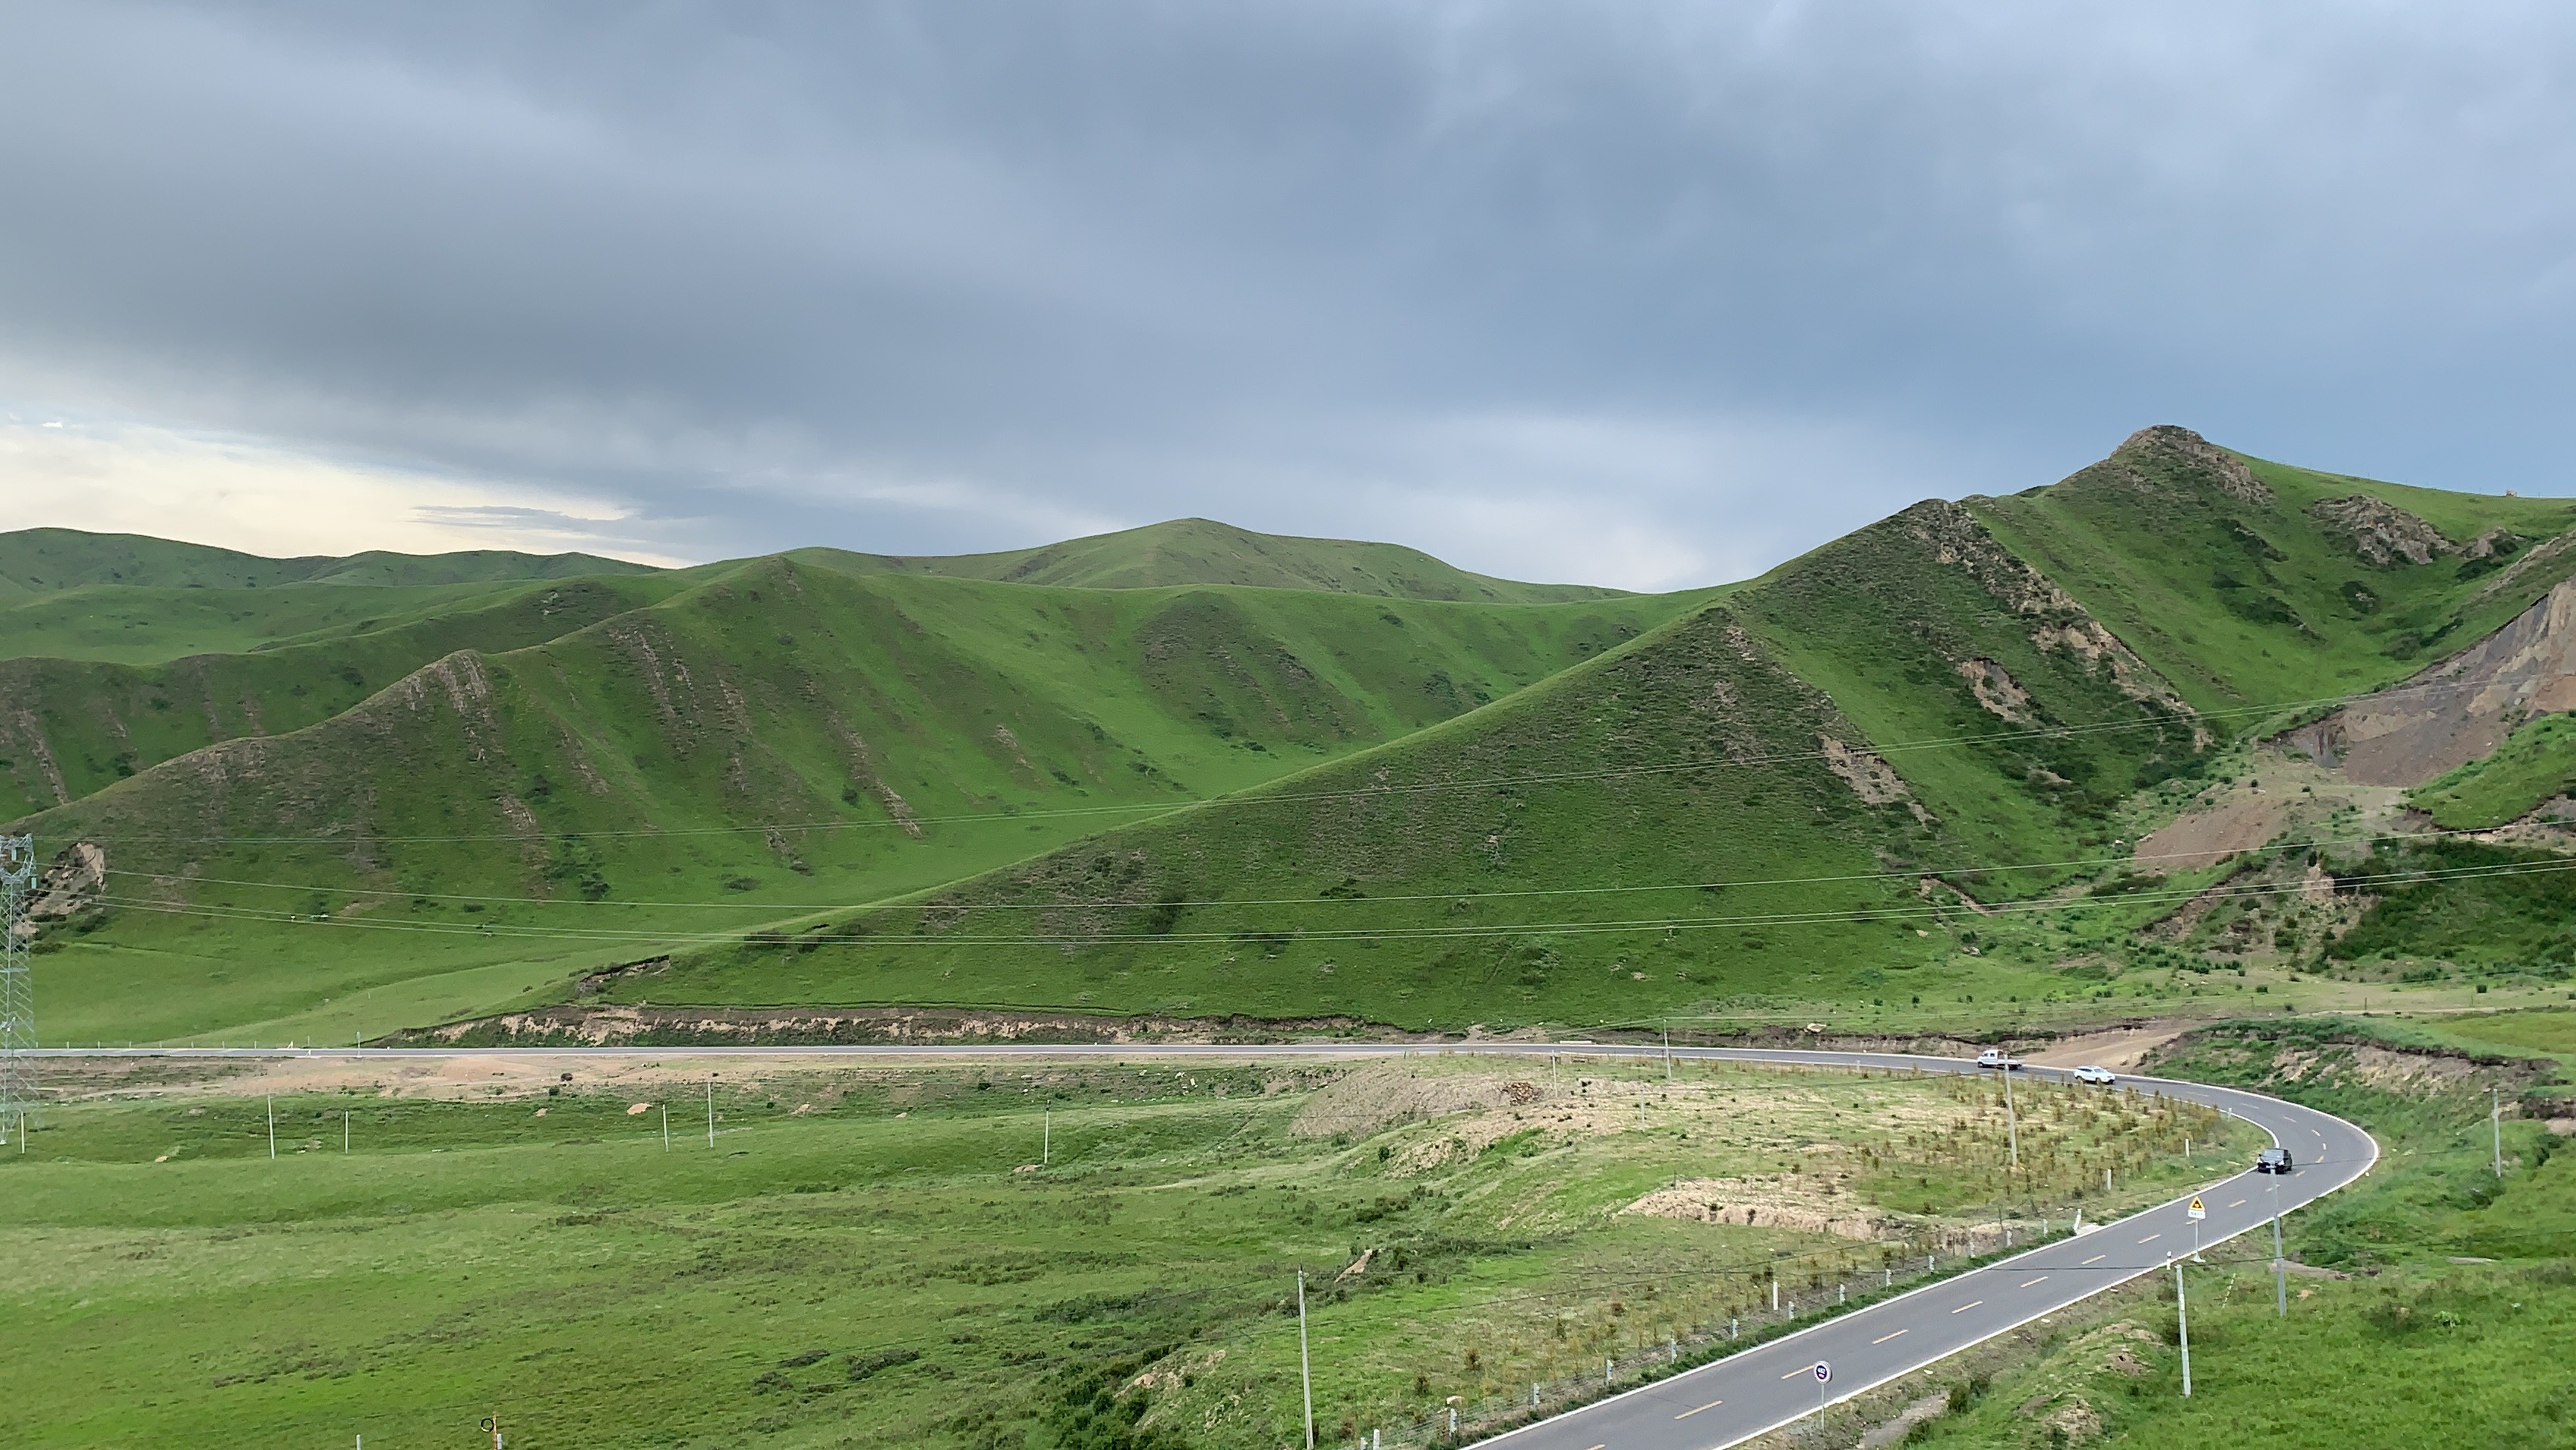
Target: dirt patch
{"type": "Point", "coordinates": [1906, 1419]}
{"type": "Point", "coordinates": [1782, 1202]}
{"type": "Point", "coordinates": [1996, 691]}
{"type": "Point", "coordinates": [2459, 710]}
{"type": "Point", "coordinates": [2235, 824]}
{"type": "Point", "coordinates": [2121, 1049]}
{"type": "Point", "coordinates": [1872, 779]}
{"type": "Point", "coordinates": [1385, 1093]}
{"type": "Point", "coordinates": [70, 884]}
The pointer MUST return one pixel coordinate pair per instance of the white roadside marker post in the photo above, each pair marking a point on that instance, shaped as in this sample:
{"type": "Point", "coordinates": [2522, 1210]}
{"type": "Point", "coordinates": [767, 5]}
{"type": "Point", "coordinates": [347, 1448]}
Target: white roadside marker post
{"type": "Point", "coordinates": [1305, 1367]}
{"type": "Point", "coordinates": [2182, 1326]}
{"type": "Point", "coordinates": [2280, 1268]}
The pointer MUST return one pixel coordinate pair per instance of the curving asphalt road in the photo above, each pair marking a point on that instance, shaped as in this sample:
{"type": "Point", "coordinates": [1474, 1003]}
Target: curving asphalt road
{"type": "Point", "coordinates": [1751, 1393]}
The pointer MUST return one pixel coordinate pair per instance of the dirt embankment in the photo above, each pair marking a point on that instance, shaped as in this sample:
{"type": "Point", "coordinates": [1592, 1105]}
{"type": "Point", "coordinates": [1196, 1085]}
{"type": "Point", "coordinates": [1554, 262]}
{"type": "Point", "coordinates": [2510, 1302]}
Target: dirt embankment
{"type": "Point", "coordinates": [2296, 1055]}
{"type": "Point", "coordinates": [2459, 710]}
{"type": "Point", "coordinates": [573, 1025]}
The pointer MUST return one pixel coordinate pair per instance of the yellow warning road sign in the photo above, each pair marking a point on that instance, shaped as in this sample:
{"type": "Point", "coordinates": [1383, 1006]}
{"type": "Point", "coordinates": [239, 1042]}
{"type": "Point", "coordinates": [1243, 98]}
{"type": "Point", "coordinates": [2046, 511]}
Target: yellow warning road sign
{"type": "Point", "coordinates": [2196, 1211]}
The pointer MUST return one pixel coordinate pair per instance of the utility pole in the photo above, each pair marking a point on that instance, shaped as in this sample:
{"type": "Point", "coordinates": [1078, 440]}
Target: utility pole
{"type": "Point", "coordinates": [493, 1423]}
{"type": "Point", "coordinates": [2495, 1120]}
{"type": "Point", "coordinates": [1305, 1369]}
{"type": "Point", "coordinates": [2012, 1123]}
{"type": "Point", "coordinates": [17, 999]}
{"type": "Point", "coordinates": [666, 1127]}
{"type": "Point", "coordinates": [1046, 1137]}
{"type": "Point", "coordinates": [2182, 1321]}
{"type": "Point", "coordinates": [711, 1110]}
{"type": "Point", "coordinates": [1668, 1051]}
{"type": "Point", "coordinates": [344, 1132]}
{"type": "Point", "coordinates": [272, 1127]}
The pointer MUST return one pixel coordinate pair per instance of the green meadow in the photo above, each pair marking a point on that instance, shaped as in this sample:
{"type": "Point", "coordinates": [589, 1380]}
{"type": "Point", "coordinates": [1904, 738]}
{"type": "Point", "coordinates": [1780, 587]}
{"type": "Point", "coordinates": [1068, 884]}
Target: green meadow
{"type": "Point", "coordinates": [939, 1255]}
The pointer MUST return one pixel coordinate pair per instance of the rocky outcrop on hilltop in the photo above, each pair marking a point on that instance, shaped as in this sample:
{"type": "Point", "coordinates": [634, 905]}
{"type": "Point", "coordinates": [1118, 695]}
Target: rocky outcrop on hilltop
{"type": "Point", "coordinates": [2384, 535]}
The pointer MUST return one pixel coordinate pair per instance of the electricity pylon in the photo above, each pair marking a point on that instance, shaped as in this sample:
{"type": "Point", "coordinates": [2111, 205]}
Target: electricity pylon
{"type": "Point", "coordinates": [17, 999]}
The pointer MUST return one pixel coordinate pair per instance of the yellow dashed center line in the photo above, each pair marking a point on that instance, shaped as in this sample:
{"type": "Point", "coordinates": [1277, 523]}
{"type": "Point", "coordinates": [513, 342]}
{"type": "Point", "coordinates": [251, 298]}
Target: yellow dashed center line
{"type": "Point", "coordinates": [2026, 1283]}
{"type": "Point", "coordinates": [2240, 1203]}
{"type": "Point", "coordinates": [1802, 1369]}
{"type": "Point", "coordinates": [1882, 1339]}
{"type": "Point", "coordinates": [2088, 1263]}
{"type": "Point", "coordinates": [1971, 1304]}
{"type": "Point", "coordinates": [2151, 1238]}
{"type": "Point", "coordinates": [1711, 1405]}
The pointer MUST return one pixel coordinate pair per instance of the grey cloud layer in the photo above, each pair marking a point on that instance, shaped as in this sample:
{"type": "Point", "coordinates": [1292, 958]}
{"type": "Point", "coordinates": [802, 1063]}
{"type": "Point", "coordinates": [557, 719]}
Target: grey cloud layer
{"type": "Point", "coordinates": [1641, 293]}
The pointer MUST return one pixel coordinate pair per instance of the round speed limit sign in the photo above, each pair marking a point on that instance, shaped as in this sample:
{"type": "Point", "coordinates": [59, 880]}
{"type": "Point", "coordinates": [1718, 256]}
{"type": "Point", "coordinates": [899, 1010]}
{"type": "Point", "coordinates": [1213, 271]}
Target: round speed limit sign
{"type": "Point", "coordinates": [1824, 1373]}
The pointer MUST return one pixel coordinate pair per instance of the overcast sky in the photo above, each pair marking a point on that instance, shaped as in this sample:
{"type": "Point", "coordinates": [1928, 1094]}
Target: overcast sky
{"type": "Point", "coordinates": [1629, 293]}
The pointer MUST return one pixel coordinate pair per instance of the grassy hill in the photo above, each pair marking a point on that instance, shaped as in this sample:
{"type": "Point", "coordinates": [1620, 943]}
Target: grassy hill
{"type": "Point", "coordinates": [45, 561]}
{"type": "Point", "coordinates": [1202, 551]}
{"type": "Point", "coordinates": [775, 734]}
{"type": "Point", "coordinates": [1901, 773]}
{"type": "Point", "coordinates": [80, 725]}
{"type": "Point", "coordinates": [2251, 583]}
{"type": "Point", "coordinates": [1472, 871]}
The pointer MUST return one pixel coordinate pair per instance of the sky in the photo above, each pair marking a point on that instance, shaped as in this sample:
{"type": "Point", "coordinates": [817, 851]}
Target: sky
{"type": "Point", "coordinates": [1640, 294]}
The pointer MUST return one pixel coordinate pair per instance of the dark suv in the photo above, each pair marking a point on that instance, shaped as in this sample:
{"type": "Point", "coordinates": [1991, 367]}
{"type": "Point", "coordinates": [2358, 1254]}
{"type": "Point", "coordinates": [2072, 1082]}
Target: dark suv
{"type": "Point", "coordinates": [2272, 1160]}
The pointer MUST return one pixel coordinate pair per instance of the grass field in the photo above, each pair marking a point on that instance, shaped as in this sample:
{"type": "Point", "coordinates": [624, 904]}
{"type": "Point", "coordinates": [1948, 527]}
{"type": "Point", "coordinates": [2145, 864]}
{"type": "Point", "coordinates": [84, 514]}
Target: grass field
{"type": "Point", "coordinates": [876, 1256]}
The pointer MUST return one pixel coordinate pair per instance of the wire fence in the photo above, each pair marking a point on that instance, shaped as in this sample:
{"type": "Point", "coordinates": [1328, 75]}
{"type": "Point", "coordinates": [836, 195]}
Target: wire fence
{"type": "Point", "coordinates": [1810, 1299]}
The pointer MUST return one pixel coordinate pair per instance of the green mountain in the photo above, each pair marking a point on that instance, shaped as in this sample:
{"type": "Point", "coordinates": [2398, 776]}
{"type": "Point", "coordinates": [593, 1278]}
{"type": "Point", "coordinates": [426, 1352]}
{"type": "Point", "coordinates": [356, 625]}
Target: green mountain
{"type": "Point", "coordinates": [45, 561]}
{"type": "Point", "coordinates": [1188, 770]}
{"type": "Point", "coordinates": [775, 733]}
{"type": "Point", "coordinates": [1201, 551]}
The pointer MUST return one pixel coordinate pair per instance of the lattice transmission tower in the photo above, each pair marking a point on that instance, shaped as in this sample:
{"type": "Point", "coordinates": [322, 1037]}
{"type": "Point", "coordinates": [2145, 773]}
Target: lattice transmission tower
{"type": "Point", "coordinates": [17, 998]}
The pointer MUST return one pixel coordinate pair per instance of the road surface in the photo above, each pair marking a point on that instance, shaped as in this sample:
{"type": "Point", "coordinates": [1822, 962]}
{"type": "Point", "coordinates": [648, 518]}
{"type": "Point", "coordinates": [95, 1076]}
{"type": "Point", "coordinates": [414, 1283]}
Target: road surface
{"type": "Point", "coordinates": [1761, 1389]}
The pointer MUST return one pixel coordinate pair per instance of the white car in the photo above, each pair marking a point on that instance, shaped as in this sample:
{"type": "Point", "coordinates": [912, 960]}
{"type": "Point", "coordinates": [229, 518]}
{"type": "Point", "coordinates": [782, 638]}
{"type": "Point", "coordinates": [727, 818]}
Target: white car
{"type": "Point", "coordinates": [1997, 1057]}
{"type": "Point", "coordinates": [2098, 1076]}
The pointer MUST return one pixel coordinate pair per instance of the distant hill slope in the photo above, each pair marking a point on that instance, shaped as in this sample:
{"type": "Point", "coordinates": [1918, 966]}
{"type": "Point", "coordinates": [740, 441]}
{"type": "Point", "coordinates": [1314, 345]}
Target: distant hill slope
{"type": "Point", "coordinates": [1477, 871]}
{"type": "Point", "coordinates": [74, 726]}
{"type": "Point", "coordinates": [776, 734]}
{"type": "Point", "coordinates": [43, 561]}
{"type": "Point", "coordinates": [1200, 551]}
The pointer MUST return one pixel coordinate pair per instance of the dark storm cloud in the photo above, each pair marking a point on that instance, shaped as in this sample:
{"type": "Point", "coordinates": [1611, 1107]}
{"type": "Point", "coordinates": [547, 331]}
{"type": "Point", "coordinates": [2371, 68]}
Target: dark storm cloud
{"type": "Point", "coordinates": [1638, 293]}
